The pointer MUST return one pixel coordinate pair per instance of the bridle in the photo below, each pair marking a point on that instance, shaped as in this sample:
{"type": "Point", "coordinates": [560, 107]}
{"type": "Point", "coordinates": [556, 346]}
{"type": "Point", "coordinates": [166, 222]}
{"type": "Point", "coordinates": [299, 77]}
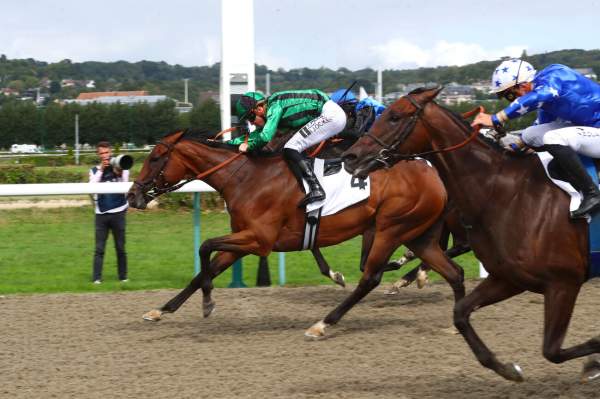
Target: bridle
{"type": "Point", "coordinates": [152, 187]}
{"type": "Point", "coordinates": [387, 155]}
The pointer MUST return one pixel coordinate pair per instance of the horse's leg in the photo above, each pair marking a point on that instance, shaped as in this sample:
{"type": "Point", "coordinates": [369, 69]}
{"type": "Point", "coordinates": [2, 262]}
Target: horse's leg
{"type": "Point", "coordinates": [242, 242]}
{"type": "Point", "coordinates": [367, 242]}
{"type": "Point", "coordinates": [427, 248]}
{"type": "Point", "coordinates": [337, 277]}
{"type": "Point", "coordinates": [558, 308]}
{"type": "Point", "coordinates": [489, 291]}
{"type": "Point", "coordinates": [217, 265]}
{"type": "Point", "coordinates": [420, 272]}
{"type": "Point", "coordinates": [379, 253]}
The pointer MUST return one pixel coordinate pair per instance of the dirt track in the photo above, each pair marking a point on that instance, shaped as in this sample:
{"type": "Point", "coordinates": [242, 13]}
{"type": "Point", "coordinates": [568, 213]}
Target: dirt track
{"type": "Point", "coordinates": [98, 346]}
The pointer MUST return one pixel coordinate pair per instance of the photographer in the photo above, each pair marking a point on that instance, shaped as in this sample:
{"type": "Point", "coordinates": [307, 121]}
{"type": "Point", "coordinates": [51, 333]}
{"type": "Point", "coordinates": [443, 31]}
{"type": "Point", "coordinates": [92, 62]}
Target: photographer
{"type": "Point", "coordinates": [110, 211]}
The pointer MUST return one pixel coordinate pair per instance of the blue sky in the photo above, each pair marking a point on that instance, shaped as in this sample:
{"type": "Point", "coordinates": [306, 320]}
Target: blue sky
{"type": "Point", "coordinates": [299, 33]}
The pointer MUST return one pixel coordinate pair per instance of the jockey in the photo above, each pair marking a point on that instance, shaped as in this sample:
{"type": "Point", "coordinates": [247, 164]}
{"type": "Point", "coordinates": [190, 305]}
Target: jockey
{"type": "Point", "coordinates": [312, 110]}
{"type": "Point", "coordinates": [360, 114]}
{"type": "Point", "coordinates": [568, 122]}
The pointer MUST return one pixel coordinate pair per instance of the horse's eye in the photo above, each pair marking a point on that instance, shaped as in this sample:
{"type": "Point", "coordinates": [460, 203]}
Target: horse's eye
{"type": "Point", "coordinates": [395, 118]}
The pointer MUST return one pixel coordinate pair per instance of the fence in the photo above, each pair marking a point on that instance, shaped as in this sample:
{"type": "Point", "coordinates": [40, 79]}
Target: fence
{"type": "Point", "coordinates": [196, 187]}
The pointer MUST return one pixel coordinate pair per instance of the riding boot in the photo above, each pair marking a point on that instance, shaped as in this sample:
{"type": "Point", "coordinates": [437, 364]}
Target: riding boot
{"type": "Point", "coordinates": [301, 169]}
{"type": "Point", "coordinates": [578, 177]}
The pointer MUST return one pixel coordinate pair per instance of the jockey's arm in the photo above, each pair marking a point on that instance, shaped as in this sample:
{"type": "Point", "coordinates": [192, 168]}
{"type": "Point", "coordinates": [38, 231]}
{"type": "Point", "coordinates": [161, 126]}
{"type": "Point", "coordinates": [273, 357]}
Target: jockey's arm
{"type": "Point", "coordinates": [531, 101]}
{"type": "Point", "coordinates": [260, 137]}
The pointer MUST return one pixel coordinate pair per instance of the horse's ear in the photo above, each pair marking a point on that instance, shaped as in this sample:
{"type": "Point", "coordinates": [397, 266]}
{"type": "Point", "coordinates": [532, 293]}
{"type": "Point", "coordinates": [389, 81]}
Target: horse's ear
{"type": "Point", "coordinates": [432, 93]}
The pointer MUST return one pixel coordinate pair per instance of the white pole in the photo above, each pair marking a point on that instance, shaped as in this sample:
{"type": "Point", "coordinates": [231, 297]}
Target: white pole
{"type": "Point", "coordinates": [268, 84]}
{"type": "Point", "coordinates": [237, 54]}
{"type": "Point", "coordinates": [76, 139]}
{"type": "Point", "coordinates": [379, 94]}
{"type": "Point", "coordinates": [185, 82]}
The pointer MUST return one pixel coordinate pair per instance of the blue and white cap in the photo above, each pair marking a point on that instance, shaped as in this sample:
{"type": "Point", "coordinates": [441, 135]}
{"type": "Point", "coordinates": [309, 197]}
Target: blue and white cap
{"type": "Point", "coordinates": [510, 73]}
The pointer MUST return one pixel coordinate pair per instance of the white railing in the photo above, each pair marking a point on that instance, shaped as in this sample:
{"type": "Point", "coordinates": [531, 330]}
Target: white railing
{"type": "Point", "coordinates": [9, 190]}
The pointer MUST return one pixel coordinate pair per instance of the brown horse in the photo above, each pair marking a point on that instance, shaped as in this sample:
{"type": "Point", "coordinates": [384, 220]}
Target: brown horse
{"type": "Point", "coordinates": [516, 220]}
{"type": "Point", "coordinates": [258, 192]}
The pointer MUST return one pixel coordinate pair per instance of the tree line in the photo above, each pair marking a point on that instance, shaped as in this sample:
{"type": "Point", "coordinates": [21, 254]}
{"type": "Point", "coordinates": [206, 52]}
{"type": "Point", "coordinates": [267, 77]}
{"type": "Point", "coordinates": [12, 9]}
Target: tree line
{"type": "Point", "coordinates": [22, 122]}
{"type": "Point", "coordinates": [163, 78]}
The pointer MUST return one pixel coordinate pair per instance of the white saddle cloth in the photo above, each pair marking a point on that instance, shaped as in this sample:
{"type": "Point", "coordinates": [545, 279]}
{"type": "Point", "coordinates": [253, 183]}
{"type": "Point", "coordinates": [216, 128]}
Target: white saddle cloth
{"type": "Point", "coordinates": [575, 195]}
{"type": "Point", "coordinates": [341, 190]}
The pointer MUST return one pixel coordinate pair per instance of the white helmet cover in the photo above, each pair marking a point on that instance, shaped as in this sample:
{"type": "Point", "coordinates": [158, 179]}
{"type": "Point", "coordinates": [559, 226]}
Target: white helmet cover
{"type": "Point", "coordinates": [511, 72]}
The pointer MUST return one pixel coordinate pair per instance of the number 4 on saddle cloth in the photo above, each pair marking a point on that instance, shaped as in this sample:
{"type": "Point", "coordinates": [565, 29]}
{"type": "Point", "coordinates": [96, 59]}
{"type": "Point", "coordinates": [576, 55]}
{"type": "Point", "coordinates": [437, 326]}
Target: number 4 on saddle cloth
{"type": "Point", "coordinates": [341, 190]}
{"type": "Point", "coordinates": [593, 222]}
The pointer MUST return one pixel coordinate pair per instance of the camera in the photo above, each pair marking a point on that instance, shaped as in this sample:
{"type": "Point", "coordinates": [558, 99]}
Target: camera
{"type": "Point", "coordinates": [122, 162]}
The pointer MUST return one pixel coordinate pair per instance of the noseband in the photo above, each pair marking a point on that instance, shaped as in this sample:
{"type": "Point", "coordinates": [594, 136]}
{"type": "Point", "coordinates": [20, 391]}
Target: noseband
{"type": "Point", "coordinates": [387, 155]}
{"type": "Point", "coordinates": [151, 187]}
{"type": "Point", "coordinates": [387, 151]}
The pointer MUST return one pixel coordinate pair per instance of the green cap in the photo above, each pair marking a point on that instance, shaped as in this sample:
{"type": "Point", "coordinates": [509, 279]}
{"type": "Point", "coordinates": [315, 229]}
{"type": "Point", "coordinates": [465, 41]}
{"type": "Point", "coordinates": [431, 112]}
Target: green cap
{"type": "Point", "coordinates": [247, 102]}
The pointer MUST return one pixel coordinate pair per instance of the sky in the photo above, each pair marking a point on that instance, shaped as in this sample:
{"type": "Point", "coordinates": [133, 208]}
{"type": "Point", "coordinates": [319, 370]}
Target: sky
{"type": "Point", "coordinates": [354, 34]}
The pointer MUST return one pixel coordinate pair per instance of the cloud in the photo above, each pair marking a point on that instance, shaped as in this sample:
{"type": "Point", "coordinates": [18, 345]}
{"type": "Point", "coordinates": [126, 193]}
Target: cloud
{"type": "Point", "coordinates": [264, 57]}
{"type": "Point", "coordinates": [400, 54]}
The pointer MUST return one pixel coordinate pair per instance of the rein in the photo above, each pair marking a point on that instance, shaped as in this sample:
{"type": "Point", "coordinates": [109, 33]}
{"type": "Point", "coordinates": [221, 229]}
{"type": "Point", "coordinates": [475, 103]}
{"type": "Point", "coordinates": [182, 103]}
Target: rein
{"type": "Point", "coordinates": [386, 153]}
{"type": "Point", "coordinates": [157, 191]}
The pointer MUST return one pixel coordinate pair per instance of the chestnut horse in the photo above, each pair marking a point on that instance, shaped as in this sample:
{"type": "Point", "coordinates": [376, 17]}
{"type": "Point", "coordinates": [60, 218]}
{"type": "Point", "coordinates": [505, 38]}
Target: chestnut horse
{"type": "Point", "coordinates": [518, 220]}
{"type": "Point", "coordinates": [261, 194]}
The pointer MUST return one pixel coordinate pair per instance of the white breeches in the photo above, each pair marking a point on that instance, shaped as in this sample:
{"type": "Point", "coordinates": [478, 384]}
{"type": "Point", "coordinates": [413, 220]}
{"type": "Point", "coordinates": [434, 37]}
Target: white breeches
{"type": "Point", "coordinates": [584, 140]}
{"type": "Point", "coordinates": [331, 121]}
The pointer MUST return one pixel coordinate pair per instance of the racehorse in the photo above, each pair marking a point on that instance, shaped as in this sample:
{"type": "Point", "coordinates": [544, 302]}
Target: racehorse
{"type": "Point", "coordinates": [452, 224]}
{"type": "Point", "coordinates": [258, 192]}
{"type": "Point", "coordinates": [515, 216]}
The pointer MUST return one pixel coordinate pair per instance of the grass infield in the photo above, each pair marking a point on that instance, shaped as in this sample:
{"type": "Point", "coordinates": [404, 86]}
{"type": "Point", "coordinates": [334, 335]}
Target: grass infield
{"type": "Point", "coordinates": [51, 250]}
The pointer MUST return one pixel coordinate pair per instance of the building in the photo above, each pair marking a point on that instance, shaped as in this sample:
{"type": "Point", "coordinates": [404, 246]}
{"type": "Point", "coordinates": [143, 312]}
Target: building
{"type": "Point", "coordinates": [98, 94]}
{"type": "Point", "coordinates": [588, 73]}
{"type": "Point", "coordinates": [455, 94]}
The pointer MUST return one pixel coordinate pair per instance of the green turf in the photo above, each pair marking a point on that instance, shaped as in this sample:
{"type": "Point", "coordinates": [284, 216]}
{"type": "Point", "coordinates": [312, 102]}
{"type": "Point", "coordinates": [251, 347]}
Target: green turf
{"type": "Point", "coordinates": [51, 250]}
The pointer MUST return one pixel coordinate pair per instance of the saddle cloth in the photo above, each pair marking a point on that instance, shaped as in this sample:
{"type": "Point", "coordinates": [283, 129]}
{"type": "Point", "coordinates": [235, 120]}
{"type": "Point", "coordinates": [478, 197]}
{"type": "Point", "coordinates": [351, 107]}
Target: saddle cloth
{"type": "Point", "coordinates": [341, 188]}
{"type": "Point", "coordinates": [594, 221]}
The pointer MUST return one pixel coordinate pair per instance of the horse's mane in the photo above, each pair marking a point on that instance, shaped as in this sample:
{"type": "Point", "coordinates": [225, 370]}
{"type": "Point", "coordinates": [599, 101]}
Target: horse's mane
{"type": "Point", "coordinates": [456, 117]}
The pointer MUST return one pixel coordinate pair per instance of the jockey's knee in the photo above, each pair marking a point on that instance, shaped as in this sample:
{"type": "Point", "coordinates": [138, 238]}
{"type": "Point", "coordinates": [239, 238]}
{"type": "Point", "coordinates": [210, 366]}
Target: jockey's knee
{"type": "Point", "coordinates": [557, 138]}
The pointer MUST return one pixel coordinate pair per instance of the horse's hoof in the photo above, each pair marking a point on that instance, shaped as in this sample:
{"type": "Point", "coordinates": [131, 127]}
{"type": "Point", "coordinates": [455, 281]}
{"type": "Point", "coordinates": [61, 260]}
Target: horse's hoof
{"type": "Point", "coordinates": [153, 315]}
{"type": "Point", "coordinates": [392, 291]}
{"type": "Point", "coordinates": [422, 279]}
{"type": "Point", "coordinates": [339, 279]}
{"type": "Point", "coordinates": [317, 331]}
{"type": "Point", "coordinates": [591, 369]}
{"type": "Point", "coordinates": [207, 308]}
{"type": "Point", "coordinates": [451, 330]}
{"type": "Point", "coordinates": [512, 372]}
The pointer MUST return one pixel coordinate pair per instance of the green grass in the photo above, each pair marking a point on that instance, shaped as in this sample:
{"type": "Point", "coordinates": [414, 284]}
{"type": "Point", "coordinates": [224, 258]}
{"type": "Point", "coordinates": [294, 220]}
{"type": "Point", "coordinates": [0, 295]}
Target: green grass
{"type": "Point", "coordinates": [51, 250]}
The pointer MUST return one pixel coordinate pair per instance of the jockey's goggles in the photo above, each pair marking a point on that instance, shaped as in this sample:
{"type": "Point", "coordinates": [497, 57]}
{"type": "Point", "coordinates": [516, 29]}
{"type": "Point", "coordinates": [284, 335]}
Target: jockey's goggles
{"type": "Point", "coordinates": [509, 94]}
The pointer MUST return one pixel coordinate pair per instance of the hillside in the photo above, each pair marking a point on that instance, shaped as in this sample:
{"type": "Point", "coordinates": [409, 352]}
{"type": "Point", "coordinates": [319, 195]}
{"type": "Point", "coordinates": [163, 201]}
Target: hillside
{"type": "Point", "coordinates": [162, 78]}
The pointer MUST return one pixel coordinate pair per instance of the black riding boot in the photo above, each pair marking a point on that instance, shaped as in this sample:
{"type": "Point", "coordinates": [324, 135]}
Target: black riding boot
{"type": "Point", "coordinates": [578, 177]}
{"type": "Point", "coordinates": [301, 169]}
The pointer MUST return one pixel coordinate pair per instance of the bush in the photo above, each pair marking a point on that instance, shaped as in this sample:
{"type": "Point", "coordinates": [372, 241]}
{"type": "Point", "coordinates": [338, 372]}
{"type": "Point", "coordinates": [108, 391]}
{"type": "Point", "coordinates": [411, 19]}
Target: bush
{"type": "Point", "coordinates": [17, 174]}
{"type": "Point", "coordinates": [208, 201]}
{"type": "Point", "coordinates": [28, 174]}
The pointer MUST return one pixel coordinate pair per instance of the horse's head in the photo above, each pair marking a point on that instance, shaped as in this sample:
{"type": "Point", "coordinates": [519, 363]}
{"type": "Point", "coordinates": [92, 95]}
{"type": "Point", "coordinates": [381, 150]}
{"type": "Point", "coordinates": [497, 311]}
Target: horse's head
{"type": "Point", "coordinates": [396, 131]}
{"type": "Point", "coordinates": [159, 173]}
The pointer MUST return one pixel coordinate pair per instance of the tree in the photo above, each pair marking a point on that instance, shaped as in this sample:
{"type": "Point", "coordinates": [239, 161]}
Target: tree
{"type": "Point", "coordinates": [55, 87]}
{"type": "Point", "coordinates": [206, 115]}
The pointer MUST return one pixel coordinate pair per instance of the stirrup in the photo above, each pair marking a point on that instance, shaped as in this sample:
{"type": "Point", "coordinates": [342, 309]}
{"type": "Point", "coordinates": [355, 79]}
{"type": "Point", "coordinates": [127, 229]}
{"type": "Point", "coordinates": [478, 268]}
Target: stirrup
{"type": "Point", "coordinates": [310, 198]}
{"type": "Point", "coordinates": [590, 208]}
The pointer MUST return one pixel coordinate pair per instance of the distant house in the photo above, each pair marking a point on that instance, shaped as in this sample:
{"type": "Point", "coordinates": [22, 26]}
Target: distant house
{"type": "Point", "coordinates": [98, 94]}
{"type": "Point", "coordinates": [68, 83]}
{"type": "Point", "coordinates": [456, 94]}
{"type": "Point", "coordinates": [9, 92]}
{"type": "Point", "coordinates": [587, 72]}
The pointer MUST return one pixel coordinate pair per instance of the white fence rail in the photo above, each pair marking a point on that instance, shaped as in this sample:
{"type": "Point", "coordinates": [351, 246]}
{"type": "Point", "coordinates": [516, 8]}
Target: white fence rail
{"type": "Point", "coordinates": [8, 190]}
